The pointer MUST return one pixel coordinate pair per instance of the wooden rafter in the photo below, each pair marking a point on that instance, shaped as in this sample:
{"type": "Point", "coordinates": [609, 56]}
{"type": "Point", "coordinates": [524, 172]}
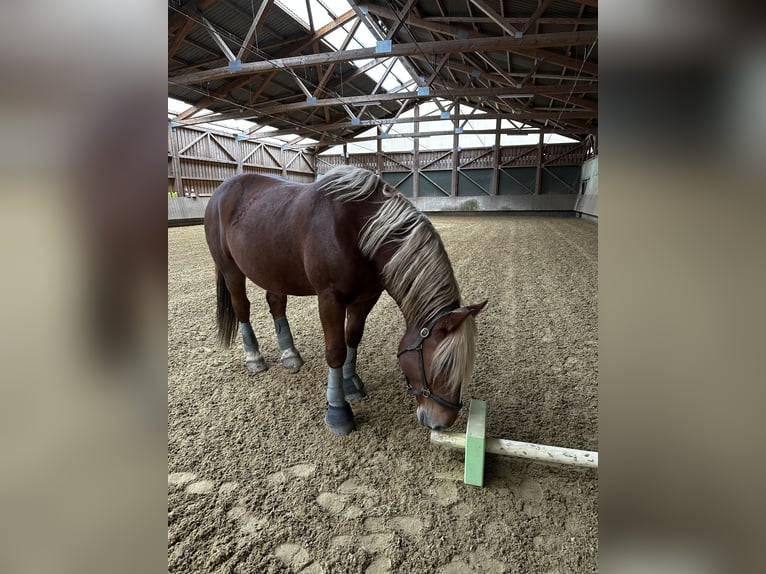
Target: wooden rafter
{"type": "Point", "coordinates": [258, 20]}
{"type": "Point", "coordinates": [533, 19]}
{"type": "Point", "coordinates": [236, 84]}
{"type": "Point", "coordinates": [495, 17]}
{"type": "Point", "coordinates": [218, 40]}
{"type": "Point", "coordinates": [387, 97]}
{"type": "Point", "coordinates": [179, 37]}
{"type": "Point", "coordinates": [473, 67]}
{"type": "Point", "coordinates": [453, 31]}
{"type": "Point", "coordinates": [533, 42]}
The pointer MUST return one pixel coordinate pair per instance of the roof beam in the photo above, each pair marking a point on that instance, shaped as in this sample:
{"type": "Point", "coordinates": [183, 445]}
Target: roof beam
{"type": "Point", "coordinates": [508, 131]}
{"type": "Point", "coordinates": [533, 43]}
{"type": "Point", "coordinates": [218, 40]}
{"type": "Point", "coordinates": [535, 15]}
{"type": "Point", "coordinates": [495, 17]}
{"type": "Point", "coordinates": [499, 79]}
{"type": "Point", "coordinates": [484, 20]}
{"type": "Point", "coordinates": [309, 39]}
{"type": "Point", "coordinates": [387, 97]}
{"type": "Point", "coordinates": [378, 34]}
{"type": "Point", "coordinates": [400, 19]}
{"type": "Point", "coordinates": [180, 36]}
{"type": "Point", "coordinates": [258, 21]}
{"type": "Point", "coordinates": [236, 84]}
{"type": "Point", "coordinates": [328, 72]}
{"type": "Point", "coordinates": [591, 3]}
{"type": "Point", "coordinates": [427, 24]}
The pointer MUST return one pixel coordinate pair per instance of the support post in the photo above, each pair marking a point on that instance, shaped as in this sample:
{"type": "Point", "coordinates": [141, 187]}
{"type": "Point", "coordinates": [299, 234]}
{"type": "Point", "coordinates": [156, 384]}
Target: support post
{"type": "Point", "coordinates": [379, 156]}
{"type": "Point", "coordinates": [176, 162]}
{"type": "Point", "coordinates": [475, 437]}
{"type": "Point", "coordinates": [455, 152]}
{"type": "Point", "coordinates": [496, 159]}
{"type": "Point", "coordinates": [416, 159]}
{"type": "Point", "coordinates": [539, 171]}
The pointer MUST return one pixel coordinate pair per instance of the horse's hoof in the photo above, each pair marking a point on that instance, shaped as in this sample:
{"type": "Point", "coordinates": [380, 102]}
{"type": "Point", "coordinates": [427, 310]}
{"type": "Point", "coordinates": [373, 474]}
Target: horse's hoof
{"type": "Point", "coordinates": [353, 388]}
{"type": "Point", "coordinates": [340, 420]}
{"type": "Point", "coordinates": [255, 367]}
{"type": "Point", "coordinates": [292, 360]}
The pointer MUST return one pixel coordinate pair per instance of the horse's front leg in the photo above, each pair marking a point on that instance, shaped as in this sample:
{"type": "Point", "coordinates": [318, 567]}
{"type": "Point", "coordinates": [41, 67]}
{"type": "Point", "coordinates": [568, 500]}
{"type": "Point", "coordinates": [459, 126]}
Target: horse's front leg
{"type": "Point", "coordinates": [357, 315]}
{"type": "Point", "coordinates": [339, 417]}
{"type": "Point", "coordinates": [291, 358]}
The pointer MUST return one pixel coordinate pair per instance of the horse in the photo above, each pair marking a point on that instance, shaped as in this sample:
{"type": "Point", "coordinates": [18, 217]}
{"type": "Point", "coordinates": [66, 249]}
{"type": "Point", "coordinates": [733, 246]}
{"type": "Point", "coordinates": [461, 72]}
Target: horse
{"type": "Point", "coordinates": [345, 239]}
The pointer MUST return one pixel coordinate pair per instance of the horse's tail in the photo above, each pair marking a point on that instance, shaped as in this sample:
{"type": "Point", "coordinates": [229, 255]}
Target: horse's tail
{"type": "Point", "coordinates": [227, 320]}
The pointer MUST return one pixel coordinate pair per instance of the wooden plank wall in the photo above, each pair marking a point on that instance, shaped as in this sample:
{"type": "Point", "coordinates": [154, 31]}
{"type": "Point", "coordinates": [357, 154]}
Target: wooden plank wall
{"type": "Point", "coordinates": [530, 169]}
{"type": "Point", "coordinates": [200, 159]}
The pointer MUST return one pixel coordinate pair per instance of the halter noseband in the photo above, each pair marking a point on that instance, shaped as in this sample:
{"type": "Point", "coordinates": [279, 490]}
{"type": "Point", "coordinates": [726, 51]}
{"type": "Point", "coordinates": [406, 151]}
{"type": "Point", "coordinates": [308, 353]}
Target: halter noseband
{"type": "Point", "coordinates": [418, 346]}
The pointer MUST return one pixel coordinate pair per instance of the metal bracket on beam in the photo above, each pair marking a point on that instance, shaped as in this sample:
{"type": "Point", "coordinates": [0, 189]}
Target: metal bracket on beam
{"type": "Point", "coordinates": [424, 90]}
{"type": "Point", "coordinates": [383, 135]}
{"type": "Point", "coordinates": [356, 122]}
{"type": "Point", "coordinates": [383, 47]}
{"type": "Point", "coordinates": [285, 147]}
{"type": "Point", "coordinates": [475, 73]}
{"type": "Point", "coordinates": [462, 34]}
{"type": "Point", "coordinates": [444, 115]}
{"type": "Point", "coordinates": [518, 35]}
{"type": "Point", "coordinates": [241, 137]}
{"type": "Point", "coordinates": [235, 65]}
{"type": "Point", "coordinates": [311, 101]}
{"type": "Point", "coordinates": [458, 130]}
{"type": "Point", "coordinates": [174, 125]}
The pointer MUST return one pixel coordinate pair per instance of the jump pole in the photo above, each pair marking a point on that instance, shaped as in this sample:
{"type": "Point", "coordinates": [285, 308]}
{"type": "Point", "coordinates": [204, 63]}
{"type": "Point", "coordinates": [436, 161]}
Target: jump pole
{"type": "Point", "coordinates": [475, 443]}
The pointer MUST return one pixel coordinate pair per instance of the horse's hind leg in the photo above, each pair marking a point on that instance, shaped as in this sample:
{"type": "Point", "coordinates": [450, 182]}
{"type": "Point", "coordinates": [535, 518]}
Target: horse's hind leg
{"type": "Point", "coordinates": [291, 358]}
{"type": "Point", "coordinates": [356, 316]}
{"type": "Point", "coordinates": [235, 281]}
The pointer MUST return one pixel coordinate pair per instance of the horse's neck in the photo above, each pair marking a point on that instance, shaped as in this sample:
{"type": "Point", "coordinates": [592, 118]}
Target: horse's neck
{"type": "Point", "coordinates": [415, 307]}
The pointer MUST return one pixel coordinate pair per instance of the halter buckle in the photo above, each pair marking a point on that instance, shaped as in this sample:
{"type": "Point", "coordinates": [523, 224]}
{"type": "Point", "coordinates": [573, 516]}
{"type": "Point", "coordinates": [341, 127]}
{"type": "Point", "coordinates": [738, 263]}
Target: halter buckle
{"type": "Point", "coordinates": [424, 332]}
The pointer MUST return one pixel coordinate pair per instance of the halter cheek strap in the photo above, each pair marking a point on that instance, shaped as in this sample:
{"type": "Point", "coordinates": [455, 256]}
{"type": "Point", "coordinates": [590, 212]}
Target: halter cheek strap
{"type": "Point", "coordinates": [425, 391]}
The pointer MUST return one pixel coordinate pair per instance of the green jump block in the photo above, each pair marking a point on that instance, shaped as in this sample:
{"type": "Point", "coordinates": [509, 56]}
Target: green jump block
{"type": "Point", "coordinates": [475, 439]}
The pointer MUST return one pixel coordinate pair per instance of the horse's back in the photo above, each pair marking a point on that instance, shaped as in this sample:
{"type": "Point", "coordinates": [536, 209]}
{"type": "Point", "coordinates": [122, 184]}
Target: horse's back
{"type": "Point", "coordinates": [287, 237]}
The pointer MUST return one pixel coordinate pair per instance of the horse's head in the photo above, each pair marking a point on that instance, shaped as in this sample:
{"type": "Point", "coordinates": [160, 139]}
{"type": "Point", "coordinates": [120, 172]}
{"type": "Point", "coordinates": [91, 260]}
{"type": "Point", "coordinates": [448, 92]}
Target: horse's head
{"type": "Point", "coordinates": [436, 359]}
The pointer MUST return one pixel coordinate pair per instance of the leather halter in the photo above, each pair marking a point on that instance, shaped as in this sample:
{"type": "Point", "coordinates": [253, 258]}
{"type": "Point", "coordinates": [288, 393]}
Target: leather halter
{"type": "Point", "coordinates": [425, 391]}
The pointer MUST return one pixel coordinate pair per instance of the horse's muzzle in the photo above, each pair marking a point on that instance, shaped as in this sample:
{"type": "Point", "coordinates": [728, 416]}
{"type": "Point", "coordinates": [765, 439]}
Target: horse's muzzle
{"type": "Point", "coordinates": [423, 419]}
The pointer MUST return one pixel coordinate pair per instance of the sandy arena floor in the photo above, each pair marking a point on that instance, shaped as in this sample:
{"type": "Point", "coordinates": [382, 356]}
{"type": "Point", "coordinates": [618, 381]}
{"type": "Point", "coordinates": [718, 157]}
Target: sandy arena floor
{"type": "Point", "coordinates": [256, 483]}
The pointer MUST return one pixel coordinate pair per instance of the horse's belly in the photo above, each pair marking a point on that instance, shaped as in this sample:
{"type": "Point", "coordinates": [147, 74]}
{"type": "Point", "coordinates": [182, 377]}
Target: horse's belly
{"type": "Point", "coordinates": [283, 279]}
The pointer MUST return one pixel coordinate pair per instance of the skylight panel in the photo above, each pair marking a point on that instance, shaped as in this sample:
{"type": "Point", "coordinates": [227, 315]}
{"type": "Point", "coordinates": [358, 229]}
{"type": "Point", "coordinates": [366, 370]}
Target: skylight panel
{"type": "Point", "coordinates": [364, 37]}
{"type": "Point", "coordinates": [297, 10]}
{"type": "Point", "coordinates": [319, 13]}
{"type": "Point", "coordinates": [336, 37]}
{"type": "Point", "coordinates": [390, 83]}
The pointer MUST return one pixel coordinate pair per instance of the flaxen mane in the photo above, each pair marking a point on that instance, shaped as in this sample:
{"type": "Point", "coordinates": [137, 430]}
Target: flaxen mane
{"type": "Point", "coordinates": [419, 274]}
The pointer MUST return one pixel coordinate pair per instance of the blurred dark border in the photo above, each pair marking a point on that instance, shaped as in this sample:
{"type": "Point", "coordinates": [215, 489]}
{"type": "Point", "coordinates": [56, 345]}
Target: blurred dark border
{"type": "Point", "coordinates": [681, 282]}
{"type": "Point", "coordinates": [682, 127]}
{"type": "Point", "coordinates": [83, 392]}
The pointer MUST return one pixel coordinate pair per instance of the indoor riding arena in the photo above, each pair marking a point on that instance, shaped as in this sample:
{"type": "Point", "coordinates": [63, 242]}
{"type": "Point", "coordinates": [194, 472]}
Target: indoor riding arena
{"type": "Point", "coordinates": [484, 116]}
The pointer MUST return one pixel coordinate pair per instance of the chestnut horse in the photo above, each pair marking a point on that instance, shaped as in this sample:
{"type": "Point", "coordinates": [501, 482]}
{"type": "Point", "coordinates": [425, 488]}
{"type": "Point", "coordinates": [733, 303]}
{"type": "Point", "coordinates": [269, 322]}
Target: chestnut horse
{"type": "Point", "coordinates": [345, 239]}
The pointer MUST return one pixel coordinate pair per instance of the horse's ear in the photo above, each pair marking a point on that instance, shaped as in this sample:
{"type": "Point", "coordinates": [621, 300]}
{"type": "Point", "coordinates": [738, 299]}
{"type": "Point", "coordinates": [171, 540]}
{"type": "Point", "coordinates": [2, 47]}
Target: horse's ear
{"type": "Point", "coordinates": [476, 309]}
{"type": "Point", "coordinates": [454, 319]}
